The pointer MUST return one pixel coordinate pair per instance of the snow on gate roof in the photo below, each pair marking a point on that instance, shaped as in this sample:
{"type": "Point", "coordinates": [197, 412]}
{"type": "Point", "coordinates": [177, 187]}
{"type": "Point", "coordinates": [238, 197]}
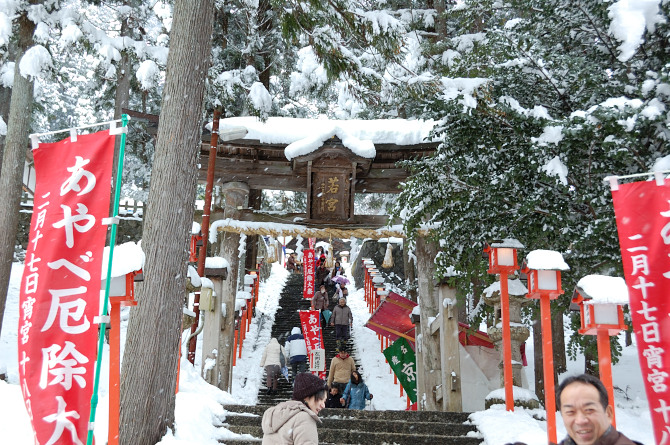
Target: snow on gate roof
{"type": "Point", "coordinates": [304, 136]}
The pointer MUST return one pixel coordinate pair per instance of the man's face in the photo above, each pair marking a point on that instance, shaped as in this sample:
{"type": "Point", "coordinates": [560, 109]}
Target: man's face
{"type": "Point", "coordinates": [584, 417]}
{"type": "Point", "coordinates": [323, 289]}
{"type": "Point", "coordinates": [342, 302]}
{"type": "Point", "coordinates": [343, 354]}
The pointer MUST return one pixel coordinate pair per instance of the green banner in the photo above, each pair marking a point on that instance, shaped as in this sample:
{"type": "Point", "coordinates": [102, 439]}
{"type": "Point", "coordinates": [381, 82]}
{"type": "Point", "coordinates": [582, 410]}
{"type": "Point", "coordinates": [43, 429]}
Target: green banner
{"type": "Point", "coordinates": [402, 360]}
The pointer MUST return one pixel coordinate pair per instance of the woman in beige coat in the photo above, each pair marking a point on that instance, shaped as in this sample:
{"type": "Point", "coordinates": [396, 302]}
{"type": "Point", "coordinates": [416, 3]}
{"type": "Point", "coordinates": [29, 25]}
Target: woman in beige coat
{"type": "Point", "coordinates": [271, 361]}
{"type": "Point", "coordinates": [294, 421]}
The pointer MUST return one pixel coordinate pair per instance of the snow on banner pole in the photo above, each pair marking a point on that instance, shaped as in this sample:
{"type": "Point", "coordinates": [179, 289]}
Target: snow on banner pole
{"type": "Point", "coordinates": [60, 291]}
{"type": "Point", "coordinates": [308, 273]}
{"type": "Point", "coordinates": [402, 360]}
{"type": "Point", "coordinates": [642, 212]}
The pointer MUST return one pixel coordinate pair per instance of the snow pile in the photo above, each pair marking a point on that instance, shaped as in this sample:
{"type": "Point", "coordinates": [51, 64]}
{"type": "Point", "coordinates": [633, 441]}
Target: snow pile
{"type": "Point", "coordinates": [260, 98]}
{"type": "Point", "coordinates": [198, 409]}
{"type": "Point", "coordinates": [148, 74]}
{"type": "Point", "coordinates": [310, 72]}
{"type": "Point", "coordinates": [546, 260]}
{"type": "Point", "coordinates": [455, 87]}
{"type": "Point", "coordinates": [550, 135]}
{"type": "Point", "coordinates": [557, 168]}
{"type": "Point", "coordinates": [514, 287]}
{"type": "Point", "coordinates": [303, 136]}
{"type": "Point", "coordinates": [5, 28]}
{"type": "Point", "coordinates": [602, 289]}
{"type": "Point", "coordinates": [630, 20]}
{"type": "Point", "coordinates": [36, 60]}
{"type": "Point", "coordinates": [128, 257]}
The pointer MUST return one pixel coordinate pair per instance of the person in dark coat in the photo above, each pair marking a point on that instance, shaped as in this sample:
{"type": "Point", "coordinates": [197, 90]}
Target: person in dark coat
{"type": "Point", "coordinates": [587, 413]}
{"type": "Point", "coordinates": [290, 263]}
{"type": "Point", "coordinates": [321, 273]}
{"type": "Point", "coordinates": [342, 319]}
{"type": "Point", "coordinates": [334, 398]}
{"type": "Point", "coordinates": [320, 303]}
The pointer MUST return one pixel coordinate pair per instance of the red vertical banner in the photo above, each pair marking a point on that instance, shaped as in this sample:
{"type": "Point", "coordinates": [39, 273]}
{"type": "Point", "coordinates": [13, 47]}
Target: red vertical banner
{"type": "Point", "coordinates": [60, 288]}
{"type": "Point", "coordinates": [308, 273]}
{"type": "Point", "coordinates": [311, 241]}
{"type": "Point", "coordinates": [643, 222]}
{"type": "Point", "coordinates": [310, 321]}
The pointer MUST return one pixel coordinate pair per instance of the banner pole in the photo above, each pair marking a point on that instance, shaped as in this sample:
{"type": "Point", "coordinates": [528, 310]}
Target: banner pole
{"type": "Point", "coordinates": [112, 242]}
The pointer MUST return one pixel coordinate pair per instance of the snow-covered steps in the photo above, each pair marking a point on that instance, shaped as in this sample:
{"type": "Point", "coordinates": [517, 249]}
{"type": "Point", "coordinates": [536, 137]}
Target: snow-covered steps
{"type": "Point", "coordinates": [342, 426]}
{"type": "Point", "coordinates": [286, 318]}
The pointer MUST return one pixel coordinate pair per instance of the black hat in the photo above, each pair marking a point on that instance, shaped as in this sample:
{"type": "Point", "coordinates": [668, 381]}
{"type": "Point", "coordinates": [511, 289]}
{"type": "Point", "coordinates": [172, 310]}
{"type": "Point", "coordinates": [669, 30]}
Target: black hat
{"type": "Point", "coordinates": [307, 384]}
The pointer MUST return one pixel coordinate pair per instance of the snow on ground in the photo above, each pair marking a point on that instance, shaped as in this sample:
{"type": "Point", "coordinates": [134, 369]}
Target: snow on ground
{"type": "Point", "coordinates": [199, 412]}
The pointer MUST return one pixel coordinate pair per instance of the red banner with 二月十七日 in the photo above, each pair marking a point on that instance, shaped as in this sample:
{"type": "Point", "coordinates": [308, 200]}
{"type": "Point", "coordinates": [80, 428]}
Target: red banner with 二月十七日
{"type": "Point", "coordinates": [60, 288]}
{"type": "Point", "coordinates": [308, 273]}
{"type": "Point", "coordinates": [643, 221]}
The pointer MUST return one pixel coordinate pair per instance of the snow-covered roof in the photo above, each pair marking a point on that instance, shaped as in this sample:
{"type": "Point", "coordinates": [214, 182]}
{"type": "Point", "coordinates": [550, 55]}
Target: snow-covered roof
{"type": "Point", "coordinates": [601, 289]}
{"type": "Point", "coordinates": [507, 242]}
{"type": "Point", "coordinates": [195, 228]}
{"type": "Point", "coordinates": [216, 262]}
{"type": "Point", "coordinates": [521, 394]}
{"type": "Point", "coordinates": [546, 260]}
{"type": "Point", "coordinates": [514, 287]}
{"type": "Point", "coordinates": [128, 257]}
{"type": "Point", "coordinates": [192, 274]}
{"type": "Point", "coordinates": [305, 136]}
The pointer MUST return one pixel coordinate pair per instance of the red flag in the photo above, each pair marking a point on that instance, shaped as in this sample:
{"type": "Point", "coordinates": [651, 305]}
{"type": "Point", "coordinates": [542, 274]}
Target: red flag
{"type": "Point", "coordinates": [310, 321]}
{"type": "Point", "coordinates": [60, 289]}
{"type": "Point", "coordinates": [643, 222]}
{"type": "Point", "coordinates": [308, 273]}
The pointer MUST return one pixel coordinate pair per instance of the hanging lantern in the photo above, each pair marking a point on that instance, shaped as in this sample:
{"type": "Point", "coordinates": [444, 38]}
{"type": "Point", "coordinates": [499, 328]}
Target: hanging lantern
{"type": "Point", "coordinates": [388, 256]}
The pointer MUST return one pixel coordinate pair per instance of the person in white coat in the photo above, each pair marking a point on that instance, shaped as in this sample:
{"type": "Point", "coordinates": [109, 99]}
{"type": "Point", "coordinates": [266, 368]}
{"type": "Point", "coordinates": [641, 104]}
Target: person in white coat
{"type": "Point", "coordinates": [295, 421]}
{"type": "Point", "coordinates": [297, 352]}
{"type": "Point", "coordinates": [271, 361]}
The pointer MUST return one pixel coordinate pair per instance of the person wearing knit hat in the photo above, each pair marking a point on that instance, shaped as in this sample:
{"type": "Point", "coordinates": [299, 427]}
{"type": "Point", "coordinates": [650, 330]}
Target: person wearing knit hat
{"type": "Point", "coordinates": [295, 421]}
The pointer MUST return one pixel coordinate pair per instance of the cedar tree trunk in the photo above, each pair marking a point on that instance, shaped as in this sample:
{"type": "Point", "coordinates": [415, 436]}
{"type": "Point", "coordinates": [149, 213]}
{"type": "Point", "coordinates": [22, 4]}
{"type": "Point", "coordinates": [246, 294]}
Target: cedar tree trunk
{"type": "Point", "coordinates": [151, 356]}
{"type": "Point", "coordinates": [14, 158]}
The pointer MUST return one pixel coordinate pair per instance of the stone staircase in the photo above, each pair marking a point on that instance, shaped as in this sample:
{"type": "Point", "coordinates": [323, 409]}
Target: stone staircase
{"type": "Point", "coordinates": [344, 426]}
{"type": "Point", "coordinates": [286, 318]}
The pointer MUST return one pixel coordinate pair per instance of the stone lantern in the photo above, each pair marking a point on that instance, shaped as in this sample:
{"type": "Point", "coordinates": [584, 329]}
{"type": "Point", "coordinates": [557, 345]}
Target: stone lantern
{"type": "Point", "coordinates": [518, 332]}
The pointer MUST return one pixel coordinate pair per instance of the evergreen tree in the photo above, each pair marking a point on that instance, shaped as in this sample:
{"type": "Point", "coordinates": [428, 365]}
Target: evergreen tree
{"type": "Point", "coordinates": [536, 101]}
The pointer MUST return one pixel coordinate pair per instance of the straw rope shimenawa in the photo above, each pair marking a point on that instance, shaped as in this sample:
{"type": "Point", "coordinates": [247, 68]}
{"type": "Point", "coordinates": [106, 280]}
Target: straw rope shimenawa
{"type": "Point", "coordinates": [275, 229]}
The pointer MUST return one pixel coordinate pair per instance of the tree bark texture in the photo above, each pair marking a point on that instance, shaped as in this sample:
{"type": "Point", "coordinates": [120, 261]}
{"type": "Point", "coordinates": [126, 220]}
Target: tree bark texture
{"type": "Point", "coordinates": [151, 356]}
{"type": "Point", "coordinates": [251, 257]}
{"type": "Point", "coordinates": [410, 272]}
{"type": "Point", "coordinates": [429, 308]}
{"type": "Point", "coordinates": [14, 158]}
{"type": "Point", "coordinates": [235, 194]}
{"type": "Point", "coordinates": [558, 340]}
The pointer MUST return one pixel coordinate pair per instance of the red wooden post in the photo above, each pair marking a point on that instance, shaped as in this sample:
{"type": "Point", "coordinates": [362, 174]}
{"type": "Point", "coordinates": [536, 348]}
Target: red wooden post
{"type": "Point", "coordinates": [507, 343]}
{"type": "Point", "coordinates": [116, 302]}
{"type": "Point", "coordinates": [234, 348]}
{"type": "Point", "coordinates": [548, 367]}
{"type": "Point", "coordinates": [605, 366]}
